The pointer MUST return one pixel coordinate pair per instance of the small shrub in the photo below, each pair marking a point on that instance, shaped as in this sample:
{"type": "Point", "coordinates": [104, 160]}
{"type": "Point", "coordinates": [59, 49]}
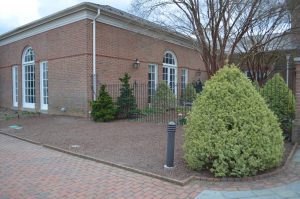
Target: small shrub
{"type": "Point", "coordinates": [189, 94]}
{"type": "Point", "coordinates": [103, 109]}
{"type": "Point", "coordinates": [164, 98]}
{"type": "Point", "coordinates": [126, 102]}
{"type": "Point", "coordinates": [230, 129]}
{"type": "Point", "coordinates": [281, 101]}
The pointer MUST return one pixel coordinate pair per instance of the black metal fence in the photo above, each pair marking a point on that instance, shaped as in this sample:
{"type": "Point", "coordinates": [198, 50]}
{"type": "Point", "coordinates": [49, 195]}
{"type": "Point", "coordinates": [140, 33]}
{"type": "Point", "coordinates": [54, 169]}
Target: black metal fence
{"type": "Point", "coordinates": [159, 103]}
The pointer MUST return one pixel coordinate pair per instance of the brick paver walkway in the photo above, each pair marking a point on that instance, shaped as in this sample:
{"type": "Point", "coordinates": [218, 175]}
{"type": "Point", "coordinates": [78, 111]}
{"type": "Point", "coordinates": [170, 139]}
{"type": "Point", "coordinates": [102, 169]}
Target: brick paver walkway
{"type": "Point", "coordinates": [32, 171]}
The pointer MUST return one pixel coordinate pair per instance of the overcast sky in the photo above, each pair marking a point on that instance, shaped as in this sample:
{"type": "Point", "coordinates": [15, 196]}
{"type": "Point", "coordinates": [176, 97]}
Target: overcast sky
{"type": "Point", "coordinates": [14, 13]}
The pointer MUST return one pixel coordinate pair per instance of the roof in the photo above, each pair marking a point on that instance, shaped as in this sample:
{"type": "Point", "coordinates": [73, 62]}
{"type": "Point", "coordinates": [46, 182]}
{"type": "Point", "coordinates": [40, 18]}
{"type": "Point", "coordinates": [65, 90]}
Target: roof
{"type": "Point", "coordinates": [88, 10]}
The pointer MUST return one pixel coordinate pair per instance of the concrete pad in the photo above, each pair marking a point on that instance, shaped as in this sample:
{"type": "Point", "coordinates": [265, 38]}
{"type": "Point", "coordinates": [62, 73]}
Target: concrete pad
{"type": "Point", "coordinates": [237, 194]}
{"type": "Point", "coordinates": [207, 194]}
{"type": "Point", "coordinates": [286, 193]}
{"type": "Point", "coordinates": [263, 192]}
{"type": "Point", "coordinates": [294, 187]}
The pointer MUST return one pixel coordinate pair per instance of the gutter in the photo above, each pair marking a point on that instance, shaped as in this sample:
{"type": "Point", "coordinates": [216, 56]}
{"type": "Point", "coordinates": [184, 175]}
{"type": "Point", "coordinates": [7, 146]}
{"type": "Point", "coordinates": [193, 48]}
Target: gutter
{"type": "Point", "coordinates": [94, 55]}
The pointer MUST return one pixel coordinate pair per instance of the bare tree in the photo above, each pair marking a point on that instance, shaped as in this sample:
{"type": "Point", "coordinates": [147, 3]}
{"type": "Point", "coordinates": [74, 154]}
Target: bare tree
{"type": "Point", "coordinates": [218, 27]}
{"type": "Point", "coordinates": [258, 54]}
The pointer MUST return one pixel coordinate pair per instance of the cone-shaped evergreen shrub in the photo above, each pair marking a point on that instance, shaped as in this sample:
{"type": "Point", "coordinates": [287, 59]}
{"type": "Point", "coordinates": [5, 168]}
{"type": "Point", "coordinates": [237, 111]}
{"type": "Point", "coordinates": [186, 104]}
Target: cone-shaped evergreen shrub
{"type": "Point", "coordinates": [103, 109]}
{"type": "Point", "coordinates": [164, 99]}
{"type": "Point", "coordinates": [230, 130]}
{"type": "Point", "coordinates": [281, 100]}
{"type": "Point", "coordinates": [126, 101]}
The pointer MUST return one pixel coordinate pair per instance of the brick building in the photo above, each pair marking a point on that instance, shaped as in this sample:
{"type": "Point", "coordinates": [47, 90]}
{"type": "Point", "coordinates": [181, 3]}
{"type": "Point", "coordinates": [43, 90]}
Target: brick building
{"type": "Point", "coordinates": [48, 65]}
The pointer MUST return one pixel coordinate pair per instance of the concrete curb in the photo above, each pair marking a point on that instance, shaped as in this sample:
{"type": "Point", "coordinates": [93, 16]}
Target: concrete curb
{"type": "Point", "coordinates": [163, 178]}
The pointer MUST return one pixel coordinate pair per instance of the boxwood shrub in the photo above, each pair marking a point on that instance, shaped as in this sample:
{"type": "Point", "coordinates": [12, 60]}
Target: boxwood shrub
{"type": "Point", "coordinates": [230, 129]}
{"type": "Point", "coordinates": [189, 94]}
{"type": "Point", "coordinates": [164, 99]}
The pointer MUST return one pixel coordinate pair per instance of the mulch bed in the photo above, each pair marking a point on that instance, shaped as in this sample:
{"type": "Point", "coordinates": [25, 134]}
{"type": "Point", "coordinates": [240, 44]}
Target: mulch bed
{"type": "Point", "coordinates": [133, 144]}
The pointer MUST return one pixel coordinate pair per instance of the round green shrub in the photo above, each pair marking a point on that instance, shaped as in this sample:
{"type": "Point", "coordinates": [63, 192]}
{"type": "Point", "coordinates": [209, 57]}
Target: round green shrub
{"type": "Point", "coordinates": [230, 129]}
{"type": "Point", "coordinates": [189, 94]}
{"type": "Point", "coordinates": [164, 99]}
{"type": "Point", "coordinates": [103, 109]}
{"type": "Point", "coordinates": [281, 101]}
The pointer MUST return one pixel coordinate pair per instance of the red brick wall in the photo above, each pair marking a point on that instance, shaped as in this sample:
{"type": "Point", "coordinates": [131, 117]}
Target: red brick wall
{"type": "Point", "coordinates": [65, 50]}
{"type": "Point", "coordinates": [296, 127]}
{"type": "Point", "coordinates": [115, 42]}
{"type": "Point", "coordinates": [68, 50]}
{"type": "Point", "coordinates": [118, 48]}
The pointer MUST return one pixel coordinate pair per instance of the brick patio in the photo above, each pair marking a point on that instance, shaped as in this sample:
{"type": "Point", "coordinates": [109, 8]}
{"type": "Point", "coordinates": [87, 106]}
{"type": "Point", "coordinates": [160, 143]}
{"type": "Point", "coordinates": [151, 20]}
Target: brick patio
{"type": "Point", "coordinates": [32, 171]}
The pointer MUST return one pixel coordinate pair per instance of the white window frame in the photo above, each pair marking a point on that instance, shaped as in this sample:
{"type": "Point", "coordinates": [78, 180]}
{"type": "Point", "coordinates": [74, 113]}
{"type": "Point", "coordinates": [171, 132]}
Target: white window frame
{"type": "Point", "coordinates": [155, 78]}
{"type": "Point", "coordinates": [169, 67]}
{"type": "Point", "coordinates": [15, 83]}
{"type": "Point", "coordinates": [24, 65]}
{"type": "Point", "coordinates": [185, 76]}
{"type": "Point", "coordinates": [44, 106]}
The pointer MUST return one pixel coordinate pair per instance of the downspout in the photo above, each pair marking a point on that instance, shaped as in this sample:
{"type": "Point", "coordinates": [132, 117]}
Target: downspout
{"type": "Point", "coordinates": [94, 55]}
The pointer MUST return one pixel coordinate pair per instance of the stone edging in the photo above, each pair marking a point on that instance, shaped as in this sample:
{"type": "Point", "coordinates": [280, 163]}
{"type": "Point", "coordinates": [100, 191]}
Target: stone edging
{"type": "Point", "coordinates": [177, 182]}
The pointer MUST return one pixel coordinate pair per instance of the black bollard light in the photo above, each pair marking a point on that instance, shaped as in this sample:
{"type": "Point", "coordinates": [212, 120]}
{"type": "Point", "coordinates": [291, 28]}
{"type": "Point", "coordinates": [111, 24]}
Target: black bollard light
{"type": "Point", "coordinates": [170, 145]}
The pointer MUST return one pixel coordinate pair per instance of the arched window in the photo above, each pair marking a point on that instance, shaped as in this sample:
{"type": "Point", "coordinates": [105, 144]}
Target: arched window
{"type": "Point", "coordinates": [28, 56]}
{"type": "Point", "coordinates": [170, 70]}
{"type": "Point", "coordinates": [28, 78]}
{"type": "Point", "coordinates": [169, 58]}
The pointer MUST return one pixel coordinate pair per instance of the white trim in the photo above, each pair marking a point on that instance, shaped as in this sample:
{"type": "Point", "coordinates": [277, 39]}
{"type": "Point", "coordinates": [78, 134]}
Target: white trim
{"type": "Point", "coordinates": [43, 105]}
{"type": "Point", "coordinates": [185, 71]}
{"type": "Point", "coordinates": [45, 27]}
{"type": "Point", "coordinates": [174, 57]}
{"type": "Point", "coordinates": [155, 74]}
{"type": "Point", "coordinates": [169, 67]}
{"type": "Point", "coordinates": [15, 84]}
{"type": "Point", "coordinates": [155, 78]}
{"type": "Point", "coordinates": [185, 75]}
{"type": "Point", "coordinates": [25, 104]}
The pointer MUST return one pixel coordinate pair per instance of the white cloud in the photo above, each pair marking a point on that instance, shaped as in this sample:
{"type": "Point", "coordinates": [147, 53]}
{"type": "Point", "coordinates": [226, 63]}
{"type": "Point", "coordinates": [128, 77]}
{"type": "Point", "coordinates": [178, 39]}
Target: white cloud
{"type": "Point", "coordinates": [14, 13]}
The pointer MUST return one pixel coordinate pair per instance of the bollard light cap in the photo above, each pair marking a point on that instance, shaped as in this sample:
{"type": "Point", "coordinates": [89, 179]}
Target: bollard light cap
{"type": "Point", "coordinates": [171, 123]}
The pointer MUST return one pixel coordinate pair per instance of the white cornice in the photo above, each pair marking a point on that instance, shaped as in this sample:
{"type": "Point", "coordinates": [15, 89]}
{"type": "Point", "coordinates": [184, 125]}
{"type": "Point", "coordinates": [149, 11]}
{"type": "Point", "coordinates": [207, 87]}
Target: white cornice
{"type": "Point", "coordinates": [88, 11]}
{"type": "Point", "coordinates": [43, 27]}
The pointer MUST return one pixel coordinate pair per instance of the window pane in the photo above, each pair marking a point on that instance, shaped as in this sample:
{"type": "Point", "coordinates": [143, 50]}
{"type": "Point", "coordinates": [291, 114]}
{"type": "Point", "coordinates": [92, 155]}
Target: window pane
{"type": "Point", "coordinates": [151, 81]}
